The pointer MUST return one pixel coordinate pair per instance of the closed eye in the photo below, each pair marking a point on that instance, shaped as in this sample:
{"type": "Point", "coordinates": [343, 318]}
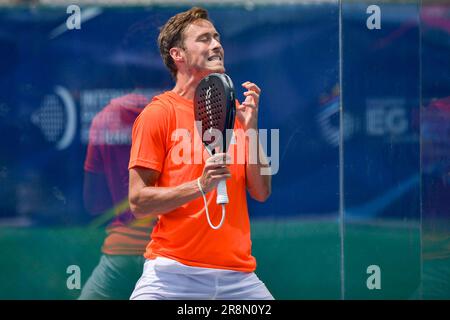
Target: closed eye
{"type": "Point", "coordinates": [207, 37]}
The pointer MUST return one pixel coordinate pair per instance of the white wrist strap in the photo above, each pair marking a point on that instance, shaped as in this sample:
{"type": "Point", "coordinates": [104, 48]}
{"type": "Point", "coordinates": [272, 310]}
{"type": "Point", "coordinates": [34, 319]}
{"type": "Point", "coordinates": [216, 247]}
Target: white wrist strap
{"type": "Point", "coordinates": [206, 208]}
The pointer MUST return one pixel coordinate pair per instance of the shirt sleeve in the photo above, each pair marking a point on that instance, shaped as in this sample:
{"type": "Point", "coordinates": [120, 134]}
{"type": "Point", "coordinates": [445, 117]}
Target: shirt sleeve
{"type": "Point", "coordinates": [149, 138]}
{"type": "Point", "coordinates": [94, 160]}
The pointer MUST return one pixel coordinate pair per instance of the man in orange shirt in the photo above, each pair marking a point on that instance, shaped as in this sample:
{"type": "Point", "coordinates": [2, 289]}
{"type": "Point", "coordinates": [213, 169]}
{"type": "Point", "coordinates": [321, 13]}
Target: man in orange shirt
{"type": "Point", "coordinates": [186, 258]}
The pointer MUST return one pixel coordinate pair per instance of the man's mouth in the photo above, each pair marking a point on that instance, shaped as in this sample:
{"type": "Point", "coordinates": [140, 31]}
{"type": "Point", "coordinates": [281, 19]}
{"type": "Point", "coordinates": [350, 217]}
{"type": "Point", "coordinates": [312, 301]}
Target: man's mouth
{"type": "Point", "coordinates": [215, 58]}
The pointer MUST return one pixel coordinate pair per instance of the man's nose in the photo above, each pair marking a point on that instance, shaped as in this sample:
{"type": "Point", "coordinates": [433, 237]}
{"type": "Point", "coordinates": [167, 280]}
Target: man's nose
{"type": "Point", "coordinates": [216, 44]}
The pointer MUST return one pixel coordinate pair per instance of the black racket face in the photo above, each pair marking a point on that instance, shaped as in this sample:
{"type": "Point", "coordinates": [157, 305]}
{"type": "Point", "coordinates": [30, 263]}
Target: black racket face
{"type": "Point", "coordinates": [214, 104]}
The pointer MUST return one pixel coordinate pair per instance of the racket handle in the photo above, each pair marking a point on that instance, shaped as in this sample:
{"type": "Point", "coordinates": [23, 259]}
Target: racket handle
{"type": "Point", "coordinates": [222, 196]}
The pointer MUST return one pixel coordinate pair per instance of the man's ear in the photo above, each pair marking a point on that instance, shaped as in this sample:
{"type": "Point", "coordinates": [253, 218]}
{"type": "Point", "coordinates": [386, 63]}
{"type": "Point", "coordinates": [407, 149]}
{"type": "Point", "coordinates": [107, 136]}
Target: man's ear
{"type": "Point", "coordinates": [177, 54]}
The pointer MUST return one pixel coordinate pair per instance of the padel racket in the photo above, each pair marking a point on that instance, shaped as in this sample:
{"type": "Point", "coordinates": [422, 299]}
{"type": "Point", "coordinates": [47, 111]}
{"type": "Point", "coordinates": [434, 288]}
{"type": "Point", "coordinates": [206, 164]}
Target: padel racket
{"type": "Point", "coordinates": [215, 108]}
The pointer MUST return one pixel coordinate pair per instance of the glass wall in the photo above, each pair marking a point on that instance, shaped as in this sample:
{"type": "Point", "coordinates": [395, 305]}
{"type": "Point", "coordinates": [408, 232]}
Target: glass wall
{"type": "Point", "coordinates": [380, 150]}
{"type": "Point", "coordinates": [354, 104]}
{"type": "Point", "coordinates": [69, 97]}
{"type": "Point", "coordinates": [435, 142]}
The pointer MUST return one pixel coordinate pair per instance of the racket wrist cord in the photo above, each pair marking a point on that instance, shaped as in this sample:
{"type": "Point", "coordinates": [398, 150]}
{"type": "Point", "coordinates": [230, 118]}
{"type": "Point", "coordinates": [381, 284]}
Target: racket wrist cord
{"type": "Point", "coordinates": [206, 208]}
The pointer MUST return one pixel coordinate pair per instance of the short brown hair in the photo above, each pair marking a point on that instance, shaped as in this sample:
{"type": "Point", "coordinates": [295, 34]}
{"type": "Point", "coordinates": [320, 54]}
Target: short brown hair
{"type": "Point", "coordinates": [172, 34]}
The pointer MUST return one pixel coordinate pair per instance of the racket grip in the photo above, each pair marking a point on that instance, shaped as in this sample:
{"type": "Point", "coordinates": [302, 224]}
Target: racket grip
{"type": "Point", "coordinates": [222, 196]}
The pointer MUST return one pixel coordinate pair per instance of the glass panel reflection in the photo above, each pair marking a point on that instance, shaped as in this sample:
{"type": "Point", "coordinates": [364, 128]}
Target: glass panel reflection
{"type": "Point", "coordinates": [381, 159]}
{"type": "Point", "coordinates": [435, 135]}
{"type": "Point", "coordinates": [69, 97]}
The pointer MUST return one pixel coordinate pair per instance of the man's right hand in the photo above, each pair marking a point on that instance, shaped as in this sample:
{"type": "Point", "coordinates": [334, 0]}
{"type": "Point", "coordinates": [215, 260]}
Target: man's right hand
{"type": "Point", "coordinates": [148, 199]}
{"type": "Point", "coordinates": [216, 169]}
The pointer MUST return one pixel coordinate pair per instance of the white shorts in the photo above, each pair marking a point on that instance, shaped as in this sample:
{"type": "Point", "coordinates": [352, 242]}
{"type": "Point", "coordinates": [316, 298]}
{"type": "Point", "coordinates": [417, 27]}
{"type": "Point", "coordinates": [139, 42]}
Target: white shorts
{"type": "Point", "coordinates": [165, 278]}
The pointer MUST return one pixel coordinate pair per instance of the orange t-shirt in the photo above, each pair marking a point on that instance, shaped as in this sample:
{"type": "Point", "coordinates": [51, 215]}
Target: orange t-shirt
{"type": "Point", "coordinates": [184, 233]}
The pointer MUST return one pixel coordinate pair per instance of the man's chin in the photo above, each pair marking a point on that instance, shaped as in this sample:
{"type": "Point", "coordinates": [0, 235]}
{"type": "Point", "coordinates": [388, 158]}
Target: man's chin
{"type": "Point", "coordinates": [208, 71]}
{"type": "Point", "coordinates": [218, 70]}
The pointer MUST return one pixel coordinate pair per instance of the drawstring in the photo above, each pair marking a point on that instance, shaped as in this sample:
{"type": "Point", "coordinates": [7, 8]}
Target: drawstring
{"type": "Point", "coordinates": [206, 208]}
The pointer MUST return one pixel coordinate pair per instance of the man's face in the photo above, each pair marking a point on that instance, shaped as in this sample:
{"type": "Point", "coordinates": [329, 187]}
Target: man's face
{"type": "Point", "coordinates": [203, 51]}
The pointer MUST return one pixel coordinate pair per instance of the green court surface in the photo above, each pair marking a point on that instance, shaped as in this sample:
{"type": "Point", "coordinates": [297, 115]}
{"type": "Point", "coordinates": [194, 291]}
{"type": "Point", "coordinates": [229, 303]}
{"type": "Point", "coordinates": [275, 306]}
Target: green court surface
{"type": "Point", "coordinates": [297, 259]}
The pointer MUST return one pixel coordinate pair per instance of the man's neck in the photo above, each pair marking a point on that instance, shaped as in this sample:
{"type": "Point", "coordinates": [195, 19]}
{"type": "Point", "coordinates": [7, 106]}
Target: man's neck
{"type": "Point", "coordinates": [186, 85]}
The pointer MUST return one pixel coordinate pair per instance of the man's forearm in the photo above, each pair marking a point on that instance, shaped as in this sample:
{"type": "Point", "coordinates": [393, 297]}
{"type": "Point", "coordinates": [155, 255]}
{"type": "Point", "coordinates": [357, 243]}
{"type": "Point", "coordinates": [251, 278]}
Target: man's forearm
{"type": "Point", "coordinates": [259, 186]}
{"type": "Point", "coordinates": [160, 200]}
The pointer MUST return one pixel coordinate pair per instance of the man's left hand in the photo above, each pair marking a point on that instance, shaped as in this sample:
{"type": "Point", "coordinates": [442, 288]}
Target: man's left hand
{"type": "Point", "coordinates": [247, 112]}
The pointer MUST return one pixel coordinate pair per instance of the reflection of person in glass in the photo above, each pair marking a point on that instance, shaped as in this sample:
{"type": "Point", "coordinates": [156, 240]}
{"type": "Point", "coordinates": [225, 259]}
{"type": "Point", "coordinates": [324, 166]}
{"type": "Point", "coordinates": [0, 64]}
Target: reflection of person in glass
{"type": "Point", "coordinates": [435, 150]}
{"type": "Point", "coordinates": [106, 180]}
{"type": "Point", "coordinates": [187, 258]}
{"type": "Point", "coordinates": [436, 199]}
{"type": "Point", "coordinates": [106, 188]}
